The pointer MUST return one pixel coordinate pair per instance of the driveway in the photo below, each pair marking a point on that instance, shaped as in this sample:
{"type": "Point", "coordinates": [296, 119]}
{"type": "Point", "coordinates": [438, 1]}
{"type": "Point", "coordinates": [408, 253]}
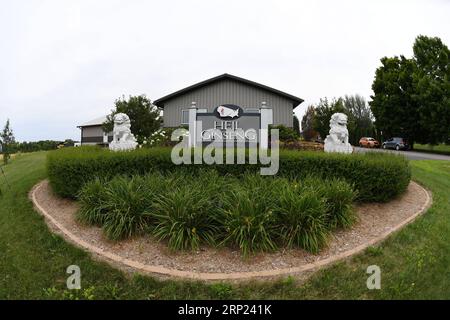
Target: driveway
{"type": "Point", "coordinates": [412, 155]}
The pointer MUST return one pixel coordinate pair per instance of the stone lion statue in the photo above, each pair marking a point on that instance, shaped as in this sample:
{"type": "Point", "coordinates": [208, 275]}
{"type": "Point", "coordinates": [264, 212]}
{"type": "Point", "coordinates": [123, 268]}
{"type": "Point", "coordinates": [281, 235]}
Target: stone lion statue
{"type": "Point", "coordinates": [337, 140]}
{"type": "Point", "coordinates": [123, 139]}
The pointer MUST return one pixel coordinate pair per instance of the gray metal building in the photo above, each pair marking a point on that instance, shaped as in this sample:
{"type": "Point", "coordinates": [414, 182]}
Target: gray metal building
{"type": "Point", "coordinates": [92, 132]}
{"type": "Point", "coordinates": [227, 89]}
{"type": "Point", "coordinates": [208, 94]}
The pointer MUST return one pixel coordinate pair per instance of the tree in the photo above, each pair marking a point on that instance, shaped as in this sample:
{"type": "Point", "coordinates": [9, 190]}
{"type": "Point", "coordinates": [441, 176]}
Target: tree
{"type": "Point", "coordinates": [69, 143]}
{"type": "Point", "coordinates": [432, 89]}
{"type": "Point", "coordinates": [144, 116]}
{"type": "Point", "coordinates": [323, 112]}
{"type": "Point", "coordinates": [308, 131]}
{"type": "Point", "coordinates": [360, 118]}
{"type": "Point", "coordinates": [393, 103]}
{"type": "Point", "coordinates": [411, 96]}
{"type": "Point", "coordinates": [6, 139]}
{"type": "Point", "coordinates": [296, 125]}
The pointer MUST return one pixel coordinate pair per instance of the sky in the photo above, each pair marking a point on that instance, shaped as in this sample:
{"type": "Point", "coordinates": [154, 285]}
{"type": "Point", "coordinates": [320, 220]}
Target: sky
{"type": "Point", "coordinates": [63, 63]}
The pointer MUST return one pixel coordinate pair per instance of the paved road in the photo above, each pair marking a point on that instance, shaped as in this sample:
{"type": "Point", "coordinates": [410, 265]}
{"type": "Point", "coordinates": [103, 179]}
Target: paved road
{"type": "Point", "coordinates": [412, 155]}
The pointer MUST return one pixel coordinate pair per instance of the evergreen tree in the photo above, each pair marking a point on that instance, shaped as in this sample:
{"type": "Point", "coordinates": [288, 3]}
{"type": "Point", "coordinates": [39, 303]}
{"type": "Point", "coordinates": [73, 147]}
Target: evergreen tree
{"type": "Point", "coordinates": [296, 125]}
{"type": "Point", "coordinates": [308, 131]}
{"type": "Point", "coordinates": [6, 140]}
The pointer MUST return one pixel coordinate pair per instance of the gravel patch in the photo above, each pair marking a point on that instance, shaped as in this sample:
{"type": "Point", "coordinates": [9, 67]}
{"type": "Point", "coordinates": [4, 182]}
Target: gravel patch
{"type": "Point", "coordinates": [375, 220]}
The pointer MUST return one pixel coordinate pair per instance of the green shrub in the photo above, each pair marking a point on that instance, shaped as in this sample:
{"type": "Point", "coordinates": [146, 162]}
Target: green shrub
{"type": "Point", "coordinates": [251, 212]}
{"type": "Point", "coordinates": [93, 203]}
{"type": "Point", "coordinates": [303, 219]}
{"type": "Point", "coordinates": [221, 290]}
{"type": "Point", "coordinates": [376, 177]}
{"type": "Point", "coordinates": [162, 138]}
{"type": "Point", "coordinates": [71, 168]}
{"type": "Point", "coordinates": [339, 197]}
{"type": "Point", "coordinates": [185, 217]}
{"type": "Point", "coordinates": [248, 222]}
{"type": "Point", "coordinates": [128, 205]}
{"type": "Point", "coordinates": [286, 133]}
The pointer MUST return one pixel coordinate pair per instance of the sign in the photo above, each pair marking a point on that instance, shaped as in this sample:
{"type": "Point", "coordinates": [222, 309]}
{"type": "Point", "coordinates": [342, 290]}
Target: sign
{"type": "Point", "coordinates": [228, 111]}
{"type": "Point", "coordinates": [228, 122]}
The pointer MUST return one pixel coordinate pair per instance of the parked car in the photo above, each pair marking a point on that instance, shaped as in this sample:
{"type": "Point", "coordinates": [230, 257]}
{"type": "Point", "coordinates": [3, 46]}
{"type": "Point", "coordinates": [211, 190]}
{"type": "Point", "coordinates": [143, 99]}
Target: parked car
{"type": "Point", "coordinates": [368, 142]}
{"type": "Point", "coordinates": [396, 143]}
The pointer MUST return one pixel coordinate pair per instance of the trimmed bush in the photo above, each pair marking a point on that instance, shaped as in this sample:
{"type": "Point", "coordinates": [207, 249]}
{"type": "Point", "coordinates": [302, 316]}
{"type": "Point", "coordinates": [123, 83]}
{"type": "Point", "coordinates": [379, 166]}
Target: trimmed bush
{"type": "Point", "coordinates": [376, 176]}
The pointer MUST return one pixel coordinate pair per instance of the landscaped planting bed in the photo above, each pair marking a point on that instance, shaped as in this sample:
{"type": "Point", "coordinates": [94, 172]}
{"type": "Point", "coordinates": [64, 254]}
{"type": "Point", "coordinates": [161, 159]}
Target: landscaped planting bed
{"type": "Point", "coordinates": [144, 192]}
{"type": "Point", "coordinates": [375, 221]}
{"type": "Point", "coordinates": [375, 176]}
{"type": "Point", "coordinates": [252, 213]}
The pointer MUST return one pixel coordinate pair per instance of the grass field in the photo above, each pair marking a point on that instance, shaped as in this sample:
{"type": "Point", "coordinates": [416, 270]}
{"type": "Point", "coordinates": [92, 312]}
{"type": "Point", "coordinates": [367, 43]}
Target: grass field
{"type": "Point", "coordinates": [414, 262]}
{"type": "Point", "coordinates": [441, 148]}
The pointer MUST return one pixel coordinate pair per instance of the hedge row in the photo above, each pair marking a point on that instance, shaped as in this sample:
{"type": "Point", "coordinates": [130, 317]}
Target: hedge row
{"type": "Point", "coordinates": [377, 177]}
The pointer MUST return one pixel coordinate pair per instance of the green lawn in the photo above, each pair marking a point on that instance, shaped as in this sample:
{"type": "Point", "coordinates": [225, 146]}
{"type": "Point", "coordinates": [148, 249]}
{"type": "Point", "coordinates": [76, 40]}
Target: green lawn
{"type": "Point", "coordinates": [440, 148]}
{"type": "Point", "coordinates": [414, 263]}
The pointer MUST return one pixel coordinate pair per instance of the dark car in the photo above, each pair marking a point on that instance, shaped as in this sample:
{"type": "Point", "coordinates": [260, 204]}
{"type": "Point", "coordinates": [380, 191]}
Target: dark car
{"type": "Point", "coordinates": [396, 143]}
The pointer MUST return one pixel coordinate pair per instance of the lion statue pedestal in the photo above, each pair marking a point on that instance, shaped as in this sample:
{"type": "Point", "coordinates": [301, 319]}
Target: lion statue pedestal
{"type": "Point", "coordinates": [123, 139]}
{"type": "Point", "coordinates": [337, 140]}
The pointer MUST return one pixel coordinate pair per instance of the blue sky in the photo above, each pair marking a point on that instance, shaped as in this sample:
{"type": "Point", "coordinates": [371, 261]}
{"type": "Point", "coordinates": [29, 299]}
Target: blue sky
{"type": "Point", "coordinates": [63, 63]}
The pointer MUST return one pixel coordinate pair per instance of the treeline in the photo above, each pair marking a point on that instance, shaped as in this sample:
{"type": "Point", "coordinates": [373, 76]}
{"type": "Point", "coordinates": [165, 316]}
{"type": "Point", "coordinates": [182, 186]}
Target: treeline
{"type": "Point", "coordinates": [316, 121]}
{"type": "Point", "coordinates": [43, 145]}
{"type": "Point", "coordinates": [411, 100]}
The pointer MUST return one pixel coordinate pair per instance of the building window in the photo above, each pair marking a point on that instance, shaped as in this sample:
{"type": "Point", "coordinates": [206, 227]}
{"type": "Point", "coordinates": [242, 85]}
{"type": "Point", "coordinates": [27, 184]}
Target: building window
{"type": "Point", "coordinates": [184, 116]}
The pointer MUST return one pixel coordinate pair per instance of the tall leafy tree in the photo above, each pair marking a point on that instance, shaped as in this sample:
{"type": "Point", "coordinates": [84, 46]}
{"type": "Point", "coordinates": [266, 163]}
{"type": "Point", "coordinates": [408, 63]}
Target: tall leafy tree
{"type": "Point", "coordinates": [412, 96]}
{"type": "Point", "coordinates": [360, 118]}
{"type": "Point", "coordinates": [323, 112]}
{"type": "Point", "coordinates": [144, 116]}
{"type": "Point", "coordinates": [393, 103]}
{"type": "Point", "coordinates": [432, 89]}
{"type": "Point", "coordinates": [6, 140]}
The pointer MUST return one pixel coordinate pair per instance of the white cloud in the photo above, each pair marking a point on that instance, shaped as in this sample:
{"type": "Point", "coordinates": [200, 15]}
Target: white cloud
{"type": "Point", "coordinates": [65, 62]}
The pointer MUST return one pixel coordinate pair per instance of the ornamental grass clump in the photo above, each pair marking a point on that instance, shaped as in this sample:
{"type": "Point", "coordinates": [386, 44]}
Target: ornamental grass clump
{"type": "Point", "coordinates": [250, 212]}
{"type": "Point", "coordinates": [339, 197]}
{"type": "Point", "coordinates": [93, 203]}
{"type": "Point", "coordinates": [128, 202]}
{"type": "Point", "coordinates": [248, 220]}
{"type": "Point", "coordinates": [185, 217]}
{"type": "Point", "coordinates": [302, 219]}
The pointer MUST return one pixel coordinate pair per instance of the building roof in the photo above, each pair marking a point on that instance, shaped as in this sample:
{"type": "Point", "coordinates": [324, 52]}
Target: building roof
{"type": "Point", "coordinates": [160, 102]}
{"type": "Point", "coordinates": [94, 122]}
